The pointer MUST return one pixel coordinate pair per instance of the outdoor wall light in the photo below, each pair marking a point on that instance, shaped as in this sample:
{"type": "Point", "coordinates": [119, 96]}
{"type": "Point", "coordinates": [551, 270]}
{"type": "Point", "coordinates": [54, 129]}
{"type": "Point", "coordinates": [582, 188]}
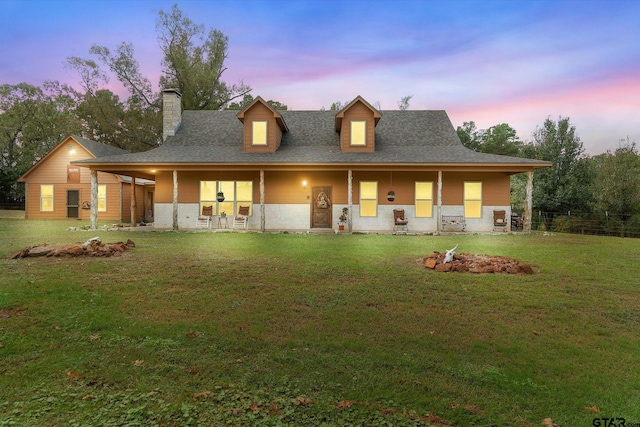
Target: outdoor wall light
{"type": "Point", "coordinates": [71, 149]}
{"type": "Point", "coordinates": [304, 184]}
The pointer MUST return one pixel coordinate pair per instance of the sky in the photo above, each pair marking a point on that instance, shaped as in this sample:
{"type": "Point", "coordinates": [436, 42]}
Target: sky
{"type": "Point", "coordinates": [509, 61]}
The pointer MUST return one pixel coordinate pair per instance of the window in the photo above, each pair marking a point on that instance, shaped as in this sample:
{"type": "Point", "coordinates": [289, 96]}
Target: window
{"type": "Point", "coordinates": [102, 197]}
{"type": "Point", "coordinates": [236, 194]}
{"type": "Point", "coordinates": [368, 198]}
{"type": "Point", "coordinates": [259, 134]}
{"type": "Point", "coordinates": [473, 199]}
{"type": "Point", "coordinates": [46, 198]}
{"type": "Point", "coordinates": [424, 199]}
{"type": "Point", "coordinates": [358, 133]}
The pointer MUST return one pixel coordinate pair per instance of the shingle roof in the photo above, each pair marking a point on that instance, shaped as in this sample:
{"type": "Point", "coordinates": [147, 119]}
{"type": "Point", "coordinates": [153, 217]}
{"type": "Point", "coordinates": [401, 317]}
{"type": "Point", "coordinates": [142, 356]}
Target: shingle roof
{"type": "Point", "coordinates": [98, 149]}
{"type": "Point", "coordinates": [409, 137]}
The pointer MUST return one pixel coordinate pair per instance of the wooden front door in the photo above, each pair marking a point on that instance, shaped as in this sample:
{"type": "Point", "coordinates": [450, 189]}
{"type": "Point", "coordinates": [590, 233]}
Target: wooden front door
{"type": "Point", "coordinates": [73, 203]}
{"type": "Point", "coordinates": [321, 207]}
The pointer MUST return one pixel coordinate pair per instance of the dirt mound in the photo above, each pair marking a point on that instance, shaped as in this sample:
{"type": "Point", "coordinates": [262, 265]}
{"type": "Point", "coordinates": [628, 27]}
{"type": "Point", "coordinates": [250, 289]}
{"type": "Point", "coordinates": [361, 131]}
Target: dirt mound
{"type": "Point", "coordinates": [92, 247]}
{"type": "Point", "coordinates": [473, 263]}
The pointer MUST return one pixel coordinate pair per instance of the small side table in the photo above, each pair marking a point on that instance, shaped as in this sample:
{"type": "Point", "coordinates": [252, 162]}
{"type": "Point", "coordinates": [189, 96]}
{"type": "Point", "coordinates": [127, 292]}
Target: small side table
{"type": "Point", "coordinates": [223, 222]}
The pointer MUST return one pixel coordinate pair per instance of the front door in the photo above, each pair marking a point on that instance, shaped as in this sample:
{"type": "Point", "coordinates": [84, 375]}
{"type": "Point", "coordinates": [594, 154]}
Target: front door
{"type": "Point", "coordinates": [321, 207]}
{"type": "Point", "coordinates": [73, 203]}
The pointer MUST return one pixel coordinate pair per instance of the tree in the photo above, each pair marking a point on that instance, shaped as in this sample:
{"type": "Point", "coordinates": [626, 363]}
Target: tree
{"type": "Point", "coordinates": [501, 139]}
{"type": "Point", "coordinates": [469, 135]}
{"type": "Point", "coordinates": [617, 183]}
{"type": "Point", "coordinates": [33, 120]}
{"type": "Point", "coordinates": [248, 99]}
{"type": "Point", "coordinates": [195, 69]}
{"type": "Point", "coordinates": [565, 185]}
{"type": "Point", "coordinates": [403, 103]}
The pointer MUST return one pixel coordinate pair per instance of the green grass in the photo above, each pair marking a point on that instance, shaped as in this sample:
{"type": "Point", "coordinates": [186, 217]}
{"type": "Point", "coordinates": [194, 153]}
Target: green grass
{"type": "Point", "coordinates": [262, 329]}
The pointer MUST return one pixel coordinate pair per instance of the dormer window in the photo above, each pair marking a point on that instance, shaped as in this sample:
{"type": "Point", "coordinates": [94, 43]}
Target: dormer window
{"type": "Point", "coordinates": [356, 125]}
{"type": "Point", "coordinates": [359, 133]}
{"type": "Point", "coordinates": [259, 133]}
{"type": "Point", "coordinates": [263, 127]}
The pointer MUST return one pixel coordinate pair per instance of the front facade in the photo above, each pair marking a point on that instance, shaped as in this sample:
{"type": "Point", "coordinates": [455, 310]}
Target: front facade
{"type": "Point", "coordinates": [56, 189]}
{"type": "Point", "coordinates": [298, 170]}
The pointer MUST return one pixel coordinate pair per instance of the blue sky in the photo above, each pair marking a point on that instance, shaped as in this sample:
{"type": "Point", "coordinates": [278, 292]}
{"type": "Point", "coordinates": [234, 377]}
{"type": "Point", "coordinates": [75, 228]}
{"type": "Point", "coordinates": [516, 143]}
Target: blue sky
{"type": "Point", "coordinates": [492, 62]}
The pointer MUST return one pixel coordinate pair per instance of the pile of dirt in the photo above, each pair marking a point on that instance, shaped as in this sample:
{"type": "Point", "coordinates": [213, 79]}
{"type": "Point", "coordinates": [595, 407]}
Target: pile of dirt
{"type": "Point", "coordinates": [92, 247]}
{"type": "Point", "coordinates": [473, 263]}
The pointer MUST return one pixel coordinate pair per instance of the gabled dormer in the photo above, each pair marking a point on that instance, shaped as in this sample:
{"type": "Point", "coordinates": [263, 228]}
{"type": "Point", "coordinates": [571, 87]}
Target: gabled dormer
{"type": "Point", "coordinates": [356, 124]}
{"type": "Point", "coordinates": [263, 127]}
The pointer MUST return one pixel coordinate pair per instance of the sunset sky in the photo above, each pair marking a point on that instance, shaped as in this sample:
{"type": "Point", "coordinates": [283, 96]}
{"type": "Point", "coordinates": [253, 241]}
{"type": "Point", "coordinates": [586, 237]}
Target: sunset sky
{"type": "Point", "coordinates": [492, 62]}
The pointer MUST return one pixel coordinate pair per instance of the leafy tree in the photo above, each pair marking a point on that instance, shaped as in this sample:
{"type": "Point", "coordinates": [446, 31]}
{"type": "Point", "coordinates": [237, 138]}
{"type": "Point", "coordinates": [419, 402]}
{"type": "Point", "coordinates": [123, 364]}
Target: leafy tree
{"type": "Point", "coordinates": [403, 103]}
{"type": "Point", "coordinates": [195, 70]}
{"type": "Point", "coordinates": [248, 99]}
{"type": "Point", "coordinates": [33, 120]}
{"type": "Point", "coordinates": [469, 135]}
{"type": "Point", "coordinates": [193, 63]}
{"type": "Point", "coordinates": [501, 139]}
{"type": "Point", "coordinates": [617, 183]}
{"type": "Point", "coordinates": [565, 185]}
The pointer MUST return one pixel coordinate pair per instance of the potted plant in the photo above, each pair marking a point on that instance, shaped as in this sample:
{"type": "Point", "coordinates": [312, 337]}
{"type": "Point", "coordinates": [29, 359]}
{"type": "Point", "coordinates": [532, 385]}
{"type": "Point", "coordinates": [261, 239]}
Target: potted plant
{"type": "Point", "coordinates": [342, 219]}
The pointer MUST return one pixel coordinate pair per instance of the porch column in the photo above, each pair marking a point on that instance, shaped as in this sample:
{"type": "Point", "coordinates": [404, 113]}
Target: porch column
{"type": "Point", "coordinates": [93, 216]}
{"type": "Point", "coordinates": [175, 200]}
{"type": "Point", "coordinates": [526, 226]}
{"type": "Point", "coordinates": [262, 209]}
{"type": "Point", "coordinates": [133, 201]}
{"type": "Point", "coordinates": [349, 199]}
{"type": "Point", "coordinates": [439, 207]}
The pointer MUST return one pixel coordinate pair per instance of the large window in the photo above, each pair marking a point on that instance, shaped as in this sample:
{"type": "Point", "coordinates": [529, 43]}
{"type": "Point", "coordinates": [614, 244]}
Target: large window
{"type": "Point", "coordinates": [473, 199]}
{"type": "Point", "coordinates": [259, 133]}
{"type": "Point", "coordinates": [102, 197]}
{"type": "Point", "coordinates": [358, 133]}
{"type": "Point", "coordinates": [46, 198]}
{"type": "Point", "coordinates": [368, 198]}
{"type": "Point", "coordinates": [424, 199]}
{"type": "Point", "coordinates": [236, 194]}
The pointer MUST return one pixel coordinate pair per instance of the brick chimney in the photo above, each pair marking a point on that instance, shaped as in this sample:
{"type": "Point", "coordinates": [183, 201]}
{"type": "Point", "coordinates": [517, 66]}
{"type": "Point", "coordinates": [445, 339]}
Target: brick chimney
{"type": "Point", "coordinates": [171, 112]}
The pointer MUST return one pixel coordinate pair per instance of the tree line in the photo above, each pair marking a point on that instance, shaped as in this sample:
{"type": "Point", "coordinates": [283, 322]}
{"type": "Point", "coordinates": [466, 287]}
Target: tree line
{"type": "Point", "coordinates": [605, 185]}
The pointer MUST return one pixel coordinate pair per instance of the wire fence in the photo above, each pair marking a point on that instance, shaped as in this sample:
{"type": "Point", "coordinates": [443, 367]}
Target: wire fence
{"type": "Point", "coordinates": [601, 224]}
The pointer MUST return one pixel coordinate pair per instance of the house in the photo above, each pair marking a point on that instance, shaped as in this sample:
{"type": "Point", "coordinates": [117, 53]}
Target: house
{"type": "Point", "coordinates": [297, 170]}
{"type": "Point", "coordinates": [57, 189]}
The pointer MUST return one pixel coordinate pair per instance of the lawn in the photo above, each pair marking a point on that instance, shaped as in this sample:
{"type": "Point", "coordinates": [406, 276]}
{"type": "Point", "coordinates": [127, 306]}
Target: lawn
{"type": "Point", "coordinates": [285, 329]}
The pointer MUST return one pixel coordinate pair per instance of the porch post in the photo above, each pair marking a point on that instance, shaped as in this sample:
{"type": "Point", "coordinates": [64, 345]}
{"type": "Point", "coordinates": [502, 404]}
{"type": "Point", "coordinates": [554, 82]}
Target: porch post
{"type": "Point", "coordinates": [175, 200]}
{"type": "Point", "coordinates": [262, 209]}
{"type": "Point", "coordinates": [349, 199]}
{"type": "Point", "coordinates": [526, 226]}
{"type": "Point", "coordinates": [93, 220]}
{"type": "Point", "coordinates": [133, 201]}
{"type": "Point", "coordinates": [439, 208]}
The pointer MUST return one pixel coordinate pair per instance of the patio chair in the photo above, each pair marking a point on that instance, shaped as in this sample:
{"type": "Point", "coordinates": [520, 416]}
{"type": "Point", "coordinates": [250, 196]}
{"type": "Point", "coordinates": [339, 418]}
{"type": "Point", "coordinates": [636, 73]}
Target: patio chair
{"type": "Point", "coordinates": [204, 220]}
{"type": "Point", "coordinates": [241, 220]}
{"type": "Point", "coordinates": [399, 220]}
{"type": "Point", "coordinates": [499, 221]}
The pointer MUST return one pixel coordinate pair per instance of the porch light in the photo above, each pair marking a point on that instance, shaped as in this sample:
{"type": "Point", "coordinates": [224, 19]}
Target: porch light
{"type": "Point", "coordinates": [304, 184]}
{"type": "Point", "coordinates": [71, 149]}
